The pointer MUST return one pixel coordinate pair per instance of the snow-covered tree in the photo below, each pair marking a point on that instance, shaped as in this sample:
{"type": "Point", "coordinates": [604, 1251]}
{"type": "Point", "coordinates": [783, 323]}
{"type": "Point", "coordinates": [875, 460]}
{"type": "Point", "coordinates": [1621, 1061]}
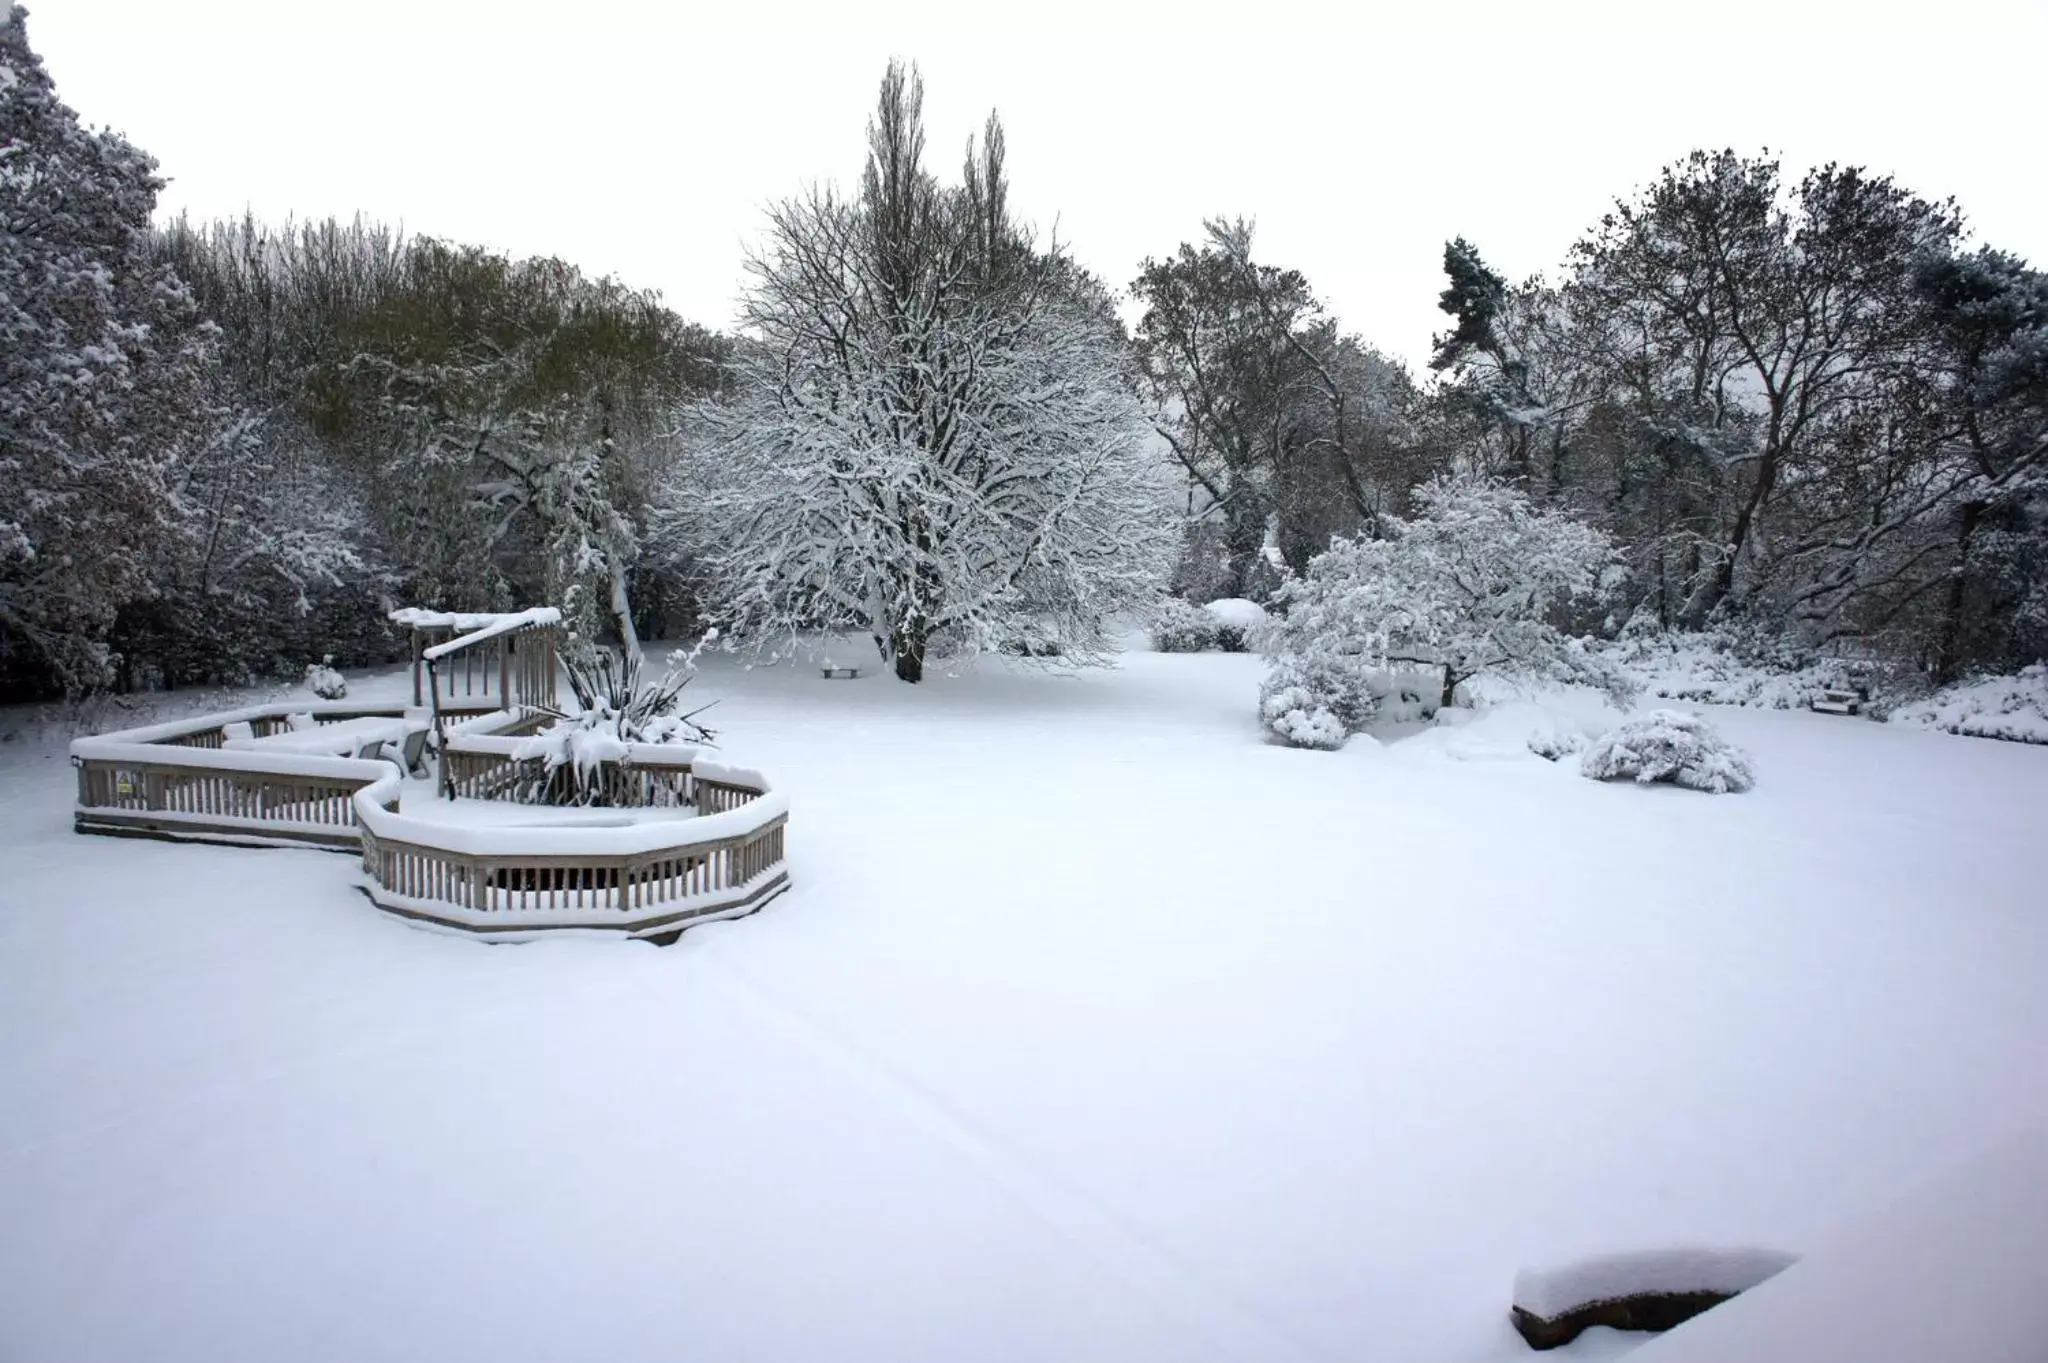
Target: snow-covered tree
{"type": "Point", "coordinates": [1476, 582]}
{"type": "Point", "coordinates": [509, 408]}
{"type": "Point", "coordinates": [932, 435]}
{"type": "Point", "coordinates": [1988, 316]}
{"type": "Point", "coordinates": [1287, 429]}
{"type": "Point", "coordinates": [102, 378]}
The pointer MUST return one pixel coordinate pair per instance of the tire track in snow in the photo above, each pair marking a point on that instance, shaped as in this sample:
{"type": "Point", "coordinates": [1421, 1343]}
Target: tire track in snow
{"type": "Point", "coordinates": [1172, 1283]}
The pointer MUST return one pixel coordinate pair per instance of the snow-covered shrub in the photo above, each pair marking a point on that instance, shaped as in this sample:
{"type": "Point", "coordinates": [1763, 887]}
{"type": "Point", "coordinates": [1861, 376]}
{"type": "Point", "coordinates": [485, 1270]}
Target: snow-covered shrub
{"type": "Point", "coordinates": [1673, 746]}
{"type": "Point", "coordinates": [1031, 644]}
{"type": "Point", "coordinates": [1238, 623]}
{"type": "Point", "coordinates": [1726, 666]}
{"type": "Point", "coordinates": [1554, 742]}
{"type": "Point", "coordinates": [613, 709]}
{"type": "Point", "coordinates": [1469, 587]}
{"type": "Point", "coordinates": [1301, 700]}
{"type": "Point", "coordinates": [1180, 627]}
{"type": "Point", "coordinates": [324, 681]}
{"type": "Point", "coordinates": [2013, 708]}
{"type": "Point", "coordinates": [1300, 718]}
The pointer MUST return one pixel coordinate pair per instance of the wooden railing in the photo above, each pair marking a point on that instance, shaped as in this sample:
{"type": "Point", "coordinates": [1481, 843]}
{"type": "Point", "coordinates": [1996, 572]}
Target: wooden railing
{"type": "Point", "coordinates": [171, 797]}
{"type": "Point", "coordinates": [175, 780]}
{"type": "Point", "coordinates": [508, 658]}
{"type": "Point", "coordinates": [493, 766]}
{"type": "Point", "coordinates": [648, 873]}
{"type": "Point", "coordinates": [647, 876]}
{"type": "Point", "coordinates": [537, 891]}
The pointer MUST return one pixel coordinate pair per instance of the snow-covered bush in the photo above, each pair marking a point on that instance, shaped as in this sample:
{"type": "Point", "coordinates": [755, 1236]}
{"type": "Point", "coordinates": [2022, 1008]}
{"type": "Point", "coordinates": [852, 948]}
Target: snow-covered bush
{"type": "Point", "coordinates": [1238, 623]}
{"type": "Point", "coordinates": [1471, 586]}
{"type": "Point", "coordinates": [324, 681]}
{"type": "Point", "coordinates": [1673, 746]}
{"type": "Point", "coordinates": [1726, 666]}
{"type": "Point", "coordinates": [1180, 627]}
{"type": "Point", "coordinates": [1315, 686]}
{"type": "Point", "coordinates": [1029, 643]}
{"type": "Point", "coordinates": [1300, 717]}
{"type": "Point", "coordinates": [2013, 708]}
{"type": "Point", "coordinates": [613, 709]}
{"type": "Point", "coordinates": [1554, 742]}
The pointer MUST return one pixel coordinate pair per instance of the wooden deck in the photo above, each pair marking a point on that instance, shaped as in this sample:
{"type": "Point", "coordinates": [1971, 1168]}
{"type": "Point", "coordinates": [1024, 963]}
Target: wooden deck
{"type": "Point", "coordinates": [645, 878]}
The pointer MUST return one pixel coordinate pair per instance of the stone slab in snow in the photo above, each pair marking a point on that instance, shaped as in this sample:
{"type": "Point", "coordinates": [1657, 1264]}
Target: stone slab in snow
{"type": "Point", "coordinates": [1648, 1290]}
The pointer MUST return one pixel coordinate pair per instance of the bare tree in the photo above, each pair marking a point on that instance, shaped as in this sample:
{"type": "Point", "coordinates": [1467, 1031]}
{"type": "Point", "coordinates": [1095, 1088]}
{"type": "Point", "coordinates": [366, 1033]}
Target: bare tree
{"type": "Point", "coordinates": [931, 435]}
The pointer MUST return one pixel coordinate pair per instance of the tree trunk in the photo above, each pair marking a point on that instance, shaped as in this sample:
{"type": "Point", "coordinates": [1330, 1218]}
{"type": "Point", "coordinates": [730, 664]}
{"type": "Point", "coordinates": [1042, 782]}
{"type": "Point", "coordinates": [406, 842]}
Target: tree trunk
{"type": "Point", "coordinates": [1244, 539]}
{"type": "Point", "coordinates": [622, 613]}
{"type": "Point", "coordinates": [1948, 659]}
{"type": "Point", "coordinates": [909, 659]}
{"type": "Point", "coordinates": [1450, 696]}
{"type": "Point", "coordinates": [1745, 520]}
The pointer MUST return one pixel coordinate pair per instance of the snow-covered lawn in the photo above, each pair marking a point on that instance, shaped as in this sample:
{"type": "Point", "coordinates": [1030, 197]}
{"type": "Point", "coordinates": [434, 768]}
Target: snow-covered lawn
{"type": "Point", "coordinates": [1095, 1027]}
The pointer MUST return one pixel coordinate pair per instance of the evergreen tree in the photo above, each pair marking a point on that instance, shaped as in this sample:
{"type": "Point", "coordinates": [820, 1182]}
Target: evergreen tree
{"type": "Point", "coordinates": [103, 391]}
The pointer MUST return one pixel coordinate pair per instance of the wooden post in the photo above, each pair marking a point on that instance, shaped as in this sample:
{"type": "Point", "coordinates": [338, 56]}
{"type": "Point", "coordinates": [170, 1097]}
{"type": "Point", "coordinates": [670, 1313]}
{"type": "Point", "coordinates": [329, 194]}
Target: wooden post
{"type": "Point", "coordinates": [440, 742]}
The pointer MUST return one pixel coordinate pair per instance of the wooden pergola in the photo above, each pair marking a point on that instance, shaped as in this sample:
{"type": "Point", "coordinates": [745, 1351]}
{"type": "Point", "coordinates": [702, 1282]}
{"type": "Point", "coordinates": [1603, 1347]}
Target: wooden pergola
{"type": "Point", "coordinates": [509, 657]}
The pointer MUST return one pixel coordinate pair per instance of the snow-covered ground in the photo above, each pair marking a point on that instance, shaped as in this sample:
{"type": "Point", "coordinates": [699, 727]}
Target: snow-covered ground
{"type": "Point", "coordinates": [1095, 1027]}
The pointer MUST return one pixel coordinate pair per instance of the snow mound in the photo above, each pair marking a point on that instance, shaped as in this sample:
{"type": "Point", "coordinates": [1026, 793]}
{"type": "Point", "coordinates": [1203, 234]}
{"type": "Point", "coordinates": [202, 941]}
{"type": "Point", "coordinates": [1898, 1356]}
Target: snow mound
{"type": "Point", "coordinates": [2014, 708]}
{"type": "Point", "coordinates": [1669, 745]}
{"type": "Point", "coordinates": [1553, 1292]}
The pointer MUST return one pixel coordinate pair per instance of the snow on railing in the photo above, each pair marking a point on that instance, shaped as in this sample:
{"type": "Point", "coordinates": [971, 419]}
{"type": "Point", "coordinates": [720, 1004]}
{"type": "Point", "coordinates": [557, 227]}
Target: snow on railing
{"type": "Point", "coordinates": [175, 780]}
{"type": "Point", "coordinates": [484, 657]}
{"type": "Point", "coordinates": [647, 874]}
{"type": "Point", "coordinates": [647, 870]}
{"type": "Point", "coordinates": [493, 627]}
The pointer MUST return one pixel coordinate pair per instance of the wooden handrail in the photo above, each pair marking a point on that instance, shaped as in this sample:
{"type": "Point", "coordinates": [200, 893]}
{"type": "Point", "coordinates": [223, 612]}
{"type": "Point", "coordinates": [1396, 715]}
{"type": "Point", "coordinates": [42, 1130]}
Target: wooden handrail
{"type": "Point", "coordinates": [649, 879]}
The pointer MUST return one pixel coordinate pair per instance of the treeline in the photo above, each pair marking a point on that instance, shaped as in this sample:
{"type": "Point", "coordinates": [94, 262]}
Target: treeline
{"type": "Point", "coordinates": [420, 421]}
{"type": "Point", "coordinates": [1813, 408]}
{"type": "Point", "coordinates": [227, 449]}
{"type": "Point", "coordinates": [1812, 412]}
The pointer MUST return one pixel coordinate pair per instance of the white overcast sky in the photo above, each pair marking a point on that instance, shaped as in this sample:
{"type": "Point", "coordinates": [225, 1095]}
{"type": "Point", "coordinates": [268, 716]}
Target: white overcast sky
{"type": "Point", "coordinates": [642, 139]}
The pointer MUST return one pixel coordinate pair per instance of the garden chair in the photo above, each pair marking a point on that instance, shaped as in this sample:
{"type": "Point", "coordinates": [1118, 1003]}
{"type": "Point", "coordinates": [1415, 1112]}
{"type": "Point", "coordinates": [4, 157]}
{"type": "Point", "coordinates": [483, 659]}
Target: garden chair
{"type": "Point", "coordinates": [409, 755]}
